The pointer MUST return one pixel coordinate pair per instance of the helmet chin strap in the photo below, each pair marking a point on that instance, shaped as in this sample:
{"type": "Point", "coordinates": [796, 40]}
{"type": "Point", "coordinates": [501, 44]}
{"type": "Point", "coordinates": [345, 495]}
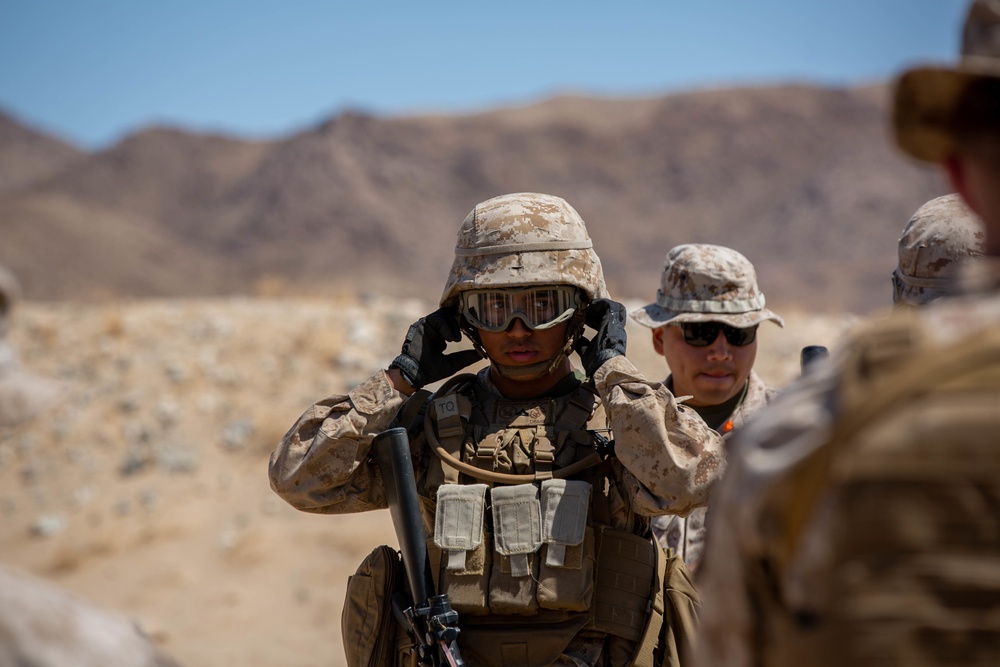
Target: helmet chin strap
{"type": "Point", "coordinates": [539, 368]}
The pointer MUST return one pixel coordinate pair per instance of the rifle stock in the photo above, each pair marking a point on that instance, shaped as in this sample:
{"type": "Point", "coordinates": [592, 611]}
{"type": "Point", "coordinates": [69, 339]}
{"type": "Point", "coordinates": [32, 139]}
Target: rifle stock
{"type": "Point", "coordinates": [432, 622]}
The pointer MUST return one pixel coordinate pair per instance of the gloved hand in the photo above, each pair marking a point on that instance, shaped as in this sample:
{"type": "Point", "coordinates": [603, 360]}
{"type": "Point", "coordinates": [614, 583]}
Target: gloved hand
{"type": "Point", "coordinates": [607, 317]}
{"type": "Point", "coordinates": [422, 359]}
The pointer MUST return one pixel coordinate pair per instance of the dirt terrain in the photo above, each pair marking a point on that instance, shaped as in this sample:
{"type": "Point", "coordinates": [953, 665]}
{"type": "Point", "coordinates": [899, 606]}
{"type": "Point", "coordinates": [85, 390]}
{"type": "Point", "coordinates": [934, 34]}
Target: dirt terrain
{"type": "Point", "coordinates": [145, 490]}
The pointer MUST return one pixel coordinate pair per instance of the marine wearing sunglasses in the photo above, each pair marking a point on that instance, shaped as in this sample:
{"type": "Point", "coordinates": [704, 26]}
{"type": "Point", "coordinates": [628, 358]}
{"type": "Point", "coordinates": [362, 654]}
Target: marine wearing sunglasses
{"type": "Point", "coordinates": [709, 361]}
{"type": "Point", "coordinates": [703, 334]}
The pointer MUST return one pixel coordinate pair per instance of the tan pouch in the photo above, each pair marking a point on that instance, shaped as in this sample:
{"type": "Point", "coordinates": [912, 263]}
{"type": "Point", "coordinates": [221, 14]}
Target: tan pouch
{"type": "Point", "coordinates": [517, 525]}
{"type": "Point", "coordinates": [466, 554]}
{"type": "Point", "coordinates": [626, 583]}
{"type": "Point", "coordinates": [514, 641]}
{"type": "Point", "coordinates": [680, 614]}
{"type": "Point", "coordinates": [368, 630]}
{"type": "Point", "coordinates": [566, 572]}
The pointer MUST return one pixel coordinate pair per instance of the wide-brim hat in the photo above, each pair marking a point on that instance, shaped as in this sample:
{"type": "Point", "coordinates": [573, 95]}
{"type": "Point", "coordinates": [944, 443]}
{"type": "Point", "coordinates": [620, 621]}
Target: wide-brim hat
{"type": "Point", "coordinates": [706, 283]}
{"type": "Point", "coordinates": [926, 97]}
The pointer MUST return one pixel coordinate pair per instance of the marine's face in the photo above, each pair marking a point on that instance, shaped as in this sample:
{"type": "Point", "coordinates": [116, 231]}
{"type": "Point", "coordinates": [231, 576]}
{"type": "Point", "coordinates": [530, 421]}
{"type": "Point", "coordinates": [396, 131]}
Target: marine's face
{"type": "Point", "coordinates": [521, 346]}
{"type": "Point", "coordinates": [712, 374]}
{"type": "Point", "coordinates": [975, 174]}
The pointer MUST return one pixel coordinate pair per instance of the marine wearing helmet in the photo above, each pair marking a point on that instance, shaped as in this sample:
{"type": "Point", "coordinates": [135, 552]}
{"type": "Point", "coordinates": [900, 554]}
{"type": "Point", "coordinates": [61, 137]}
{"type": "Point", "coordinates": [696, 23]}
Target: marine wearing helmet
{"type": "Point", "coordinates": [942, 234]}
{"type": "Point", "coordinates": [534, 476]}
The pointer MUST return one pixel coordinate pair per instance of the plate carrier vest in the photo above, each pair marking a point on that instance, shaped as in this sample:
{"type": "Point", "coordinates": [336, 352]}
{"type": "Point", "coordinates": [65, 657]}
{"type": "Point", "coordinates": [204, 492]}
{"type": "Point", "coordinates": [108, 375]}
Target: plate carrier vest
{"type": "Point", "coordinates": [529, 534]}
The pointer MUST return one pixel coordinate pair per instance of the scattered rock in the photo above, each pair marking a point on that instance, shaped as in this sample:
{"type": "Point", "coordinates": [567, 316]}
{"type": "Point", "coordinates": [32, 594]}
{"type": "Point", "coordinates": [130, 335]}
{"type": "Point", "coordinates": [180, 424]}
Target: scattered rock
{"type": "Point", "coordinates": [49, 525]}
{"type": "Point", "coordinates": [237, 434]}
{"type": "Point", "coordinates": [45, 626]}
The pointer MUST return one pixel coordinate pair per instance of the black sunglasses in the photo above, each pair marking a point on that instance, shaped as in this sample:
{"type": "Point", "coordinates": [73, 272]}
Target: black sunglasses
{"type": "Point", "coordinates": [703, 334]}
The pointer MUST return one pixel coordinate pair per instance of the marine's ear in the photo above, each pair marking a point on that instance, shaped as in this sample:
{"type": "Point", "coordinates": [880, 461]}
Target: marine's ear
{"type": "Point", "coordinates": [658, 334]}
{"type": "Point", "coordinates": [957, 172]}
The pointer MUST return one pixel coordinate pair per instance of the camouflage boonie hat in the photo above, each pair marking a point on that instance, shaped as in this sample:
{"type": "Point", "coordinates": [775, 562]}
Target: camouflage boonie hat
{"type": "Point", "coordinates": [926, 97]}
{"type": "Point", "coordinates": [706, 283]}
{"type": "Point", "coordinates": [942, 233]}
{"type": "Point", "coordinates": [524, 239]}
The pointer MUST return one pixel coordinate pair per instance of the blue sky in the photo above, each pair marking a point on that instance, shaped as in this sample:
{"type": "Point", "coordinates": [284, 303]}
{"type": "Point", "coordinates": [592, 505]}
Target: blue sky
{"type": "Point", "coordinates": [93, 71]}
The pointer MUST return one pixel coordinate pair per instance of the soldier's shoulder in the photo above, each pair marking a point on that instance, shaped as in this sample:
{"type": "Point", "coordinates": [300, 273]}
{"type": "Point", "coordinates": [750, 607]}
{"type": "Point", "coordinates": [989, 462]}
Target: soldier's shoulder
{"type": "Point", "coordinates": [881, 347]}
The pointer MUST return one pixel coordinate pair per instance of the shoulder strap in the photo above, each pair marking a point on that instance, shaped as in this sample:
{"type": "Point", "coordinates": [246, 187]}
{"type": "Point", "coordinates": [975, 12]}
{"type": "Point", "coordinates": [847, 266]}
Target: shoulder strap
{"type": "Point", "coordinates": [409, 416]}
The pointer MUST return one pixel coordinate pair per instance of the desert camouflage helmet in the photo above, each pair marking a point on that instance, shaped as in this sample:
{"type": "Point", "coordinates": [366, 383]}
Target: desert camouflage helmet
{"type": "Point", "coordinates": [926, 97]}
{"type": "Point", "coordinates": [524, 239]}
{"type": "Point", "coordinates": [706, 283]}
{"type": "Point", "coordinates": [941, 234]}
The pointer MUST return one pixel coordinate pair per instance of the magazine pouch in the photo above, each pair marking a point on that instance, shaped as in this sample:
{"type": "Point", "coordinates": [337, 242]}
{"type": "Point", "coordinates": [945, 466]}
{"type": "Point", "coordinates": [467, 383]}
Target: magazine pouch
{"type": "Point", "coordinates": [566, 571]}
{"type": "Point", "coordinates": [517, 525]}
{"type": "Point", "coordinates": [465, 557]}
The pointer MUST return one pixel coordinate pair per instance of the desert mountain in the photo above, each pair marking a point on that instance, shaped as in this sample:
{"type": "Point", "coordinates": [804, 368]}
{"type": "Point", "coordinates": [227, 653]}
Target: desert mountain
{"type": "Point", "coordinates": [803, 180]}
{"type": "Point", "coordinates": [28, 155]}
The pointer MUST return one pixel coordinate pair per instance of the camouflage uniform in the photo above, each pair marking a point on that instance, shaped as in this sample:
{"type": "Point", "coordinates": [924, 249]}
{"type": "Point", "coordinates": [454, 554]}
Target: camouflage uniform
{"type": "Point", "coordinates": [22, 393]}
{"type": "Point", "coordinates": [665, 460]}
{"type": "Point", "coordinates": [707, 283]}
{"type": "Point", "coordinates": [942, 233]}
{"type": "Point", "coordinates": [857, 523]}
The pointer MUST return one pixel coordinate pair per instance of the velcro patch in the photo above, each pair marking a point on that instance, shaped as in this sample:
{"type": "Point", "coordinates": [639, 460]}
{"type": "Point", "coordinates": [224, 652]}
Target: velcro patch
{"type": "Point", "coordinates": [518, 414]}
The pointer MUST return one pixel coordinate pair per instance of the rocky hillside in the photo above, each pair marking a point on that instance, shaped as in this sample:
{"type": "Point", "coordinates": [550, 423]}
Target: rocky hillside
{"type": "Point", "coordinates": [27, 156]}
{"type": "Point", "coordinates": [145, 490]}
{"type": "Point", "coordinates": [800, 179]}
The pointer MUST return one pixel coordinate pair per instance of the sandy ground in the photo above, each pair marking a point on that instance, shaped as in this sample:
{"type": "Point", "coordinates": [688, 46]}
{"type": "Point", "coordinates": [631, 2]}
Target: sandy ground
{"type": "Point", "coordinates": [144, 489]}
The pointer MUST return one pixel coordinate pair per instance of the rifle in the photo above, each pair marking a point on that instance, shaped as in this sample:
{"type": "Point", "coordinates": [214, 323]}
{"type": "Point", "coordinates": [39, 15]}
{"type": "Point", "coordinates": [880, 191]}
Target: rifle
{"type": "Point", "coordinates": [429, 619]}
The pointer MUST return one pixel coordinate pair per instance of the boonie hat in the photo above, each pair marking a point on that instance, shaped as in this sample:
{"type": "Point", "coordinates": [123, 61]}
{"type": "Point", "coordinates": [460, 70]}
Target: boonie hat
{"type": "Point", "coordinates": [706, 283]}
{"type": "Point", "coordinates": [926, 97]}
{"type": "Point", "coordinates": [941, 234]}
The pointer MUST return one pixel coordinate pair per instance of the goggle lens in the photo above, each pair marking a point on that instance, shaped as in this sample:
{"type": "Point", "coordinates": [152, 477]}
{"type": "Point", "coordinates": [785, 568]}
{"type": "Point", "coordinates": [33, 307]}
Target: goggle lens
{"type": "Point", "coordinates": [537, 307]}
{"type": "Point", "coordinates": [703, 334]}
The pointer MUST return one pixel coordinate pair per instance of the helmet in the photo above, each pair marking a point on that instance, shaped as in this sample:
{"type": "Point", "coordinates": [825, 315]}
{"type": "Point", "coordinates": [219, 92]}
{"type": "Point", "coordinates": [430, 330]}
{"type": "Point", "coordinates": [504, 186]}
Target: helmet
{"type": "Point", "coordinates": [942, 233]}
{"type": "Point", "coordinates": [524, 239]}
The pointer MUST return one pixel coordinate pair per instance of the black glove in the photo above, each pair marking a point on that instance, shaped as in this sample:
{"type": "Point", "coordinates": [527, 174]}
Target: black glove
{"type": "Point", "coordinates": [422, 359]}
{"type": "Point", "coordinates": [607, 317]}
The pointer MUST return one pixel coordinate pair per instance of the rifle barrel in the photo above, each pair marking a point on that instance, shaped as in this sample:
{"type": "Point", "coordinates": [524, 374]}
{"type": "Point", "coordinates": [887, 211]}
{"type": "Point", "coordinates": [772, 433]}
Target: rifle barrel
{"type": "Point", "coordinates": [392, 450]}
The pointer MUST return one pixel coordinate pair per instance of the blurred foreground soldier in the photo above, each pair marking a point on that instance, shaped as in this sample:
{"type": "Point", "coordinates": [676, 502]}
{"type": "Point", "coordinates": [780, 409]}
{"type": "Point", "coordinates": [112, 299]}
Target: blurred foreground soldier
{"type": "Point", "coordinates": [22, 393]}
{"type": "Point", "coordinates": [42, 625]}
{"type": "Point", "coordinates": [704, 322]}
{"type": "Point", "coordinates": [543, 548]}
{"type": "Point", "coordinates": [938, 238]}
{"type": "Point", "coordinates": [858, 522]}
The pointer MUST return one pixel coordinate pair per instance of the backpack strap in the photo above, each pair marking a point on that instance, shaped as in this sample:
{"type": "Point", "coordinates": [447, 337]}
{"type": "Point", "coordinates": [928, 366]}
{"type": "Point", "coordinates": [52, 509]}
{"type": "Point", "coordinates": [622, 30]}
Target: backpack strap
{"type": "Point", "coordinates": [410, 416]}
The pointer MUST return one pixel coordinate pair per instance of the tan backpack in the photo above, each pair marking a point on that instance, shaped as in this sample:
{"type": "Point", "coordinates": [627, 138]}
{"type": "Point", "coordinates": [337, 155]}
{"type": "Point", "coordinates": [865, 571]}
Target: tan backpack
{"type": "Point", "coordinates": [904, 497]}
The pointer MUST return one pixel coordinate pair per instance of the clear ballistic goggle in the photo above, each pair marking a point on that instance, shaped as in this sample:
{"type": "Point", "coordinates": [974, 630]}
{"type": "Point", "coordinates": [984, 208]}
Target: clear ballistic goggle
{"type": "Point", "coordinates": [538, 307]}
